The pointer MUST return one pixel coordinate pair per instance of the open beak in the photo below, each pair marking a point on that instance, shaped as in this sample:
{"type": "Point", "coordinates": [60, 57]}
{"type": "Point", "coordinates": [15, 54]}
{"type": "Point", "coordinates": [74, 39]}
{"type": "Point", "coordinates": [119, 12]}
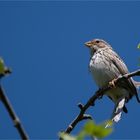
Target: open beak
{"type": "Point", "coordinates": [88, 44]}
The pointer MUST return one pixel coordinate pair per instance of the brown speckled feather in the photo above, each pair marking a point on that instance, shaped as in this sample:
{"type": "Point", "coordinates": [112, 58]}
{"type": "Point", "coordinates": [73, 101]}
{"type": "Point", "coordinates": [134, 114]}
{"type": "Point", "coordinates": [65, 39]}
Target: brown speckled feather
{"type": "Point", "coordinates": [105, 65]}
{"type": "Point", "coordinates": [120, 65]}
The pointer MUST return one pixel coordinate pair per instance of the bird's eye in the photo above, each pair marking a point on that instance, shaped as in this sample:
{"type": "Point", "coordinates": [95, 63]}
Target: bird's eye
{"type": "Point", "coordinates": [97, 41]}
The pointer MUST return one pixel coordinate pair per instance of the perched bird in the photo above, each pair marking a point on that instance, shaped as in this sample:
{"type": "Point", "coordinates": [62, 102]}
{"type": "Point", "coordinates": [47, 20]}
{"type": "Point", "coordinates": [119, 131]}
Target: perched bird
{"type": "Point", "coordinates": [105, 66]}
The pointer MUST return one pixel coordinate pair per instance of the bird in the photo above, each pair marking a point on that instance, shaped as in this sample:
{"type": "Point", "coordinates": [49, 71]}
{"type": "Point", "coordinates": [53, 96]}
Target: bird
{"type": "Point", "coordinates": [105, 66]}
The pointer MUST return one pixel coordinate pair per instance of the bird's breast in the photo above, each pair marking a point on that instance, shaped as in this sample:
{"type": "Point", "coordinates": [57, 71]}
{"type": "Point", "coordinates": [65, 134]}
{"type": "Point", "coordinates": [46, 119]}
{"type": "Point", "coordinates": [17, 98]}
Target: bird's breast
{"type": "Point", "coordinates": [102, 70]}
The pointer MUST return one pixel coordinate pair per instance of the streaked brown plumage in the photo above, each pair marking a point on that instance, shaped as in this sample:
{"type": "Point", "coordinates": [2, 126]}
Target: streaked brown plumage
{"type": "Point", "coordinates": [106, 65]}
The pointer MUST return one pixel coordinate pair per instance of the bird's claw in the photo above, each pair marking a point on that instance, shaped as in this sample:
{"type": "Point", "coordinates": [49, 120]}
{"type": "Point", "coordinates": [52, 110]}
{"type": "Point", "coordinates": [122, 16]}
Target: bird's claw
{"type": "Point", "coordinates": [113, 83]}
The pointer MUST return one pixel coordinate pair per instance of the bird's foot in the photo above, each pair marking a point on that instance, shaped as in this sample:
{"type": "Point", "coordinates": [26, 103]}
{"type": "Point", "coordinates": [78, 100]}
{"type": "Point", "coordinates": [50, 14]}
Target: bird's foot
{"type": "Point", "coordinates": [112, 83]}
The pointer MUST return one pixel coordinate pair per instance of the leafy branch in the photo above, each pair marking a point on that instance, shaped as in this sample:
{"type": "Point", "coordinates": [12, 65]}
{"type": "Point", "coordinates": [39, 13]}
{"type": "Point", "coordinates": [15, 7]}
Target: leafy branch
{"type": "Point", "coordinates": [90, 129]}
{"type": "Point", "coordinates": [98, 94]}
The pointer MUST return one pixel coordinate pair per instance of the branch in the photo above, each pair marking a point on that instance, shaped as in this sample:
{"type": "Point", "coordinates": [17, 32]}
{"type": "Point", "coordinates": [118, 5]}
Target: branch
{"type": "Point", "coordinates": [12, 114]}
{"type": "Point", "coordinates": [4, 71]}
{"type": "Point", "coordinates": [98, 94]}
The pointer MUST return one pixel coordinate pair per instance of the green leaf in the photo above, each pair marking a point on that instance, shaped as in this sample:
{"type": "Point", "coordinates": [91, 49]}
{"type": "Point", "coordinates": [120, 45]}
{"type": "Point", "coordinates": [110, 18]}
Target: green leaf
{"type": "Point", "coordinates": [138, 46]}
{"type": "Point", "coordinates": [101, 132]}
{"type": "Point", "coordinates": [92, 130]}
{"type": "Point", "coordinates": [65, 136]}
{"type": "Point", "coordinates": [2, 66]}
{"type": "Point", "coordinates": [81, 135]}
{"type": "Point", "coordinates": [89, 127]}
{"type": "Point", "coordinates": [98, 131]}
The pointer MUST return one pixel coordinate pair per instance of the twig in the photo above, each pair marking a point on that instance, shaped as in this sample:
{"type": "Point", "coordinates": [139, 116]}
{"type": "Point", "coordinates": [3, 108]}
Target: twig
{"type": "Point", "coordinates": [96, 96]}
{"type": "Point", "coordinates": [12, 114]}
{"type": "Point", "coordinates": [135, 73]}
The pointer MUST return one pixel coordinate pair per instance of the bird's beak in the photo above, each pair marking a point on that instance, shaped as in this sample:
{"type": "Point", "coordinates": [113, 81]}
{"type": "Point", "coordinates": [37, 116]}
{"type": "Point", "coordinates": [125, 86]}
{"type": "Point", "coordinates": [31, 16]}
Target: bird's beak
{"type": "Point", "coordinates": [88, 44]}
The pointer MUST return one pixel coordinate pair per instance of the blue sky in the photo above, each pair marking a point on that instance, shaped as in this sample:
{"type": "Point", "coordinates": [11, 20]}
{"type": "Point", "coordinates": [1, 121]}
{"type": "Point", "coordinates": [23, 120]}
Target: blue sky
{"type": "Point", "coordinates": [43, 43]}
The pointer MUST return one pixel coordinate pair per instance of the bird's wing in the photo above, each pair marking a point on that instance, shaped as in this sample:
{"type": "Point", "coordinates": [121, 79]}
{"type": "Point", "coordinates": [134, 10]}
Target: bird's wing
{"type": "Point", "coordinates": [118, 62]}
{"type": "Point", "coordinates": [120, 65]}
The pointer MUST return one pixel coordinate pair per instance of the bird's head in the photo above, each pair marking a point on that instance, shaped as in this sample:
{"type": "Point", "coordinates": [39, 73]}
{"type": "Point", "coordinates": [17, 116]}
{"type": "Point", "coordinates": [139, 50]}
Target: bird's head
{"type": "Point", "coordinates": [97, 44]}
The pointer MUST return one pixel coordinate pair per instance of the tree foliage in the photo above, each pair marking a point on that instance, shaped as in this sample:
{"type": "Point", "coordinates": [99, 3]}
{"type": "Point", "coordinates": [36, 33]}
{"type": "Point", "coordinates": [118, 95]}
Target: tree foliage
{"type": "Point", "coordinates": [90, 129]}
